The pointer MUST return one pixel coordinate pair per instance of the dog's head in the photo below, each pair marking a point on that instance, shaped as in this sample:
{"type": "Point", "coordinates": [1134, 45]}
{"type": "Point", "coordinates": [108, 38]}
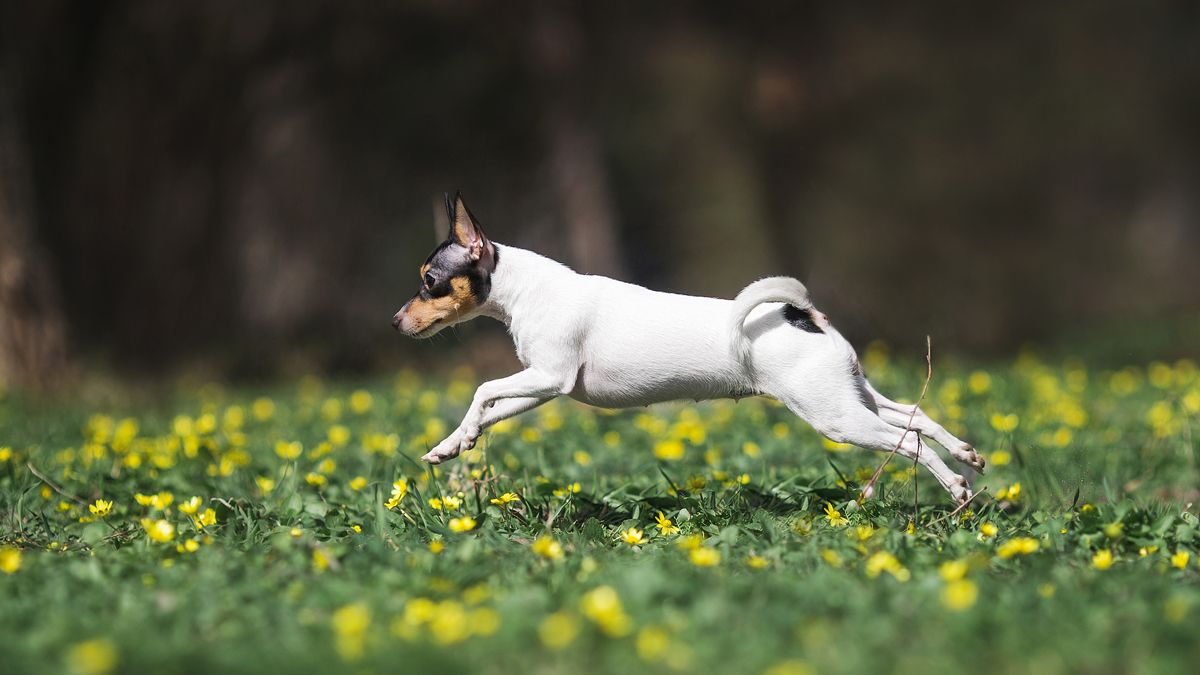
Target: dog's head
{"type": "Point", "coordinates": [455, 279]}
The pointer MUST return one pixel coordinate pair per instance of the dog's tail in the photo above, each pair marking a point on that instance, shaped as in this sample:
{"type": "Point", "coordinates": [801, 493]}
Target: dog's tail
{"type": "Point", "coordinates": [771, 289]}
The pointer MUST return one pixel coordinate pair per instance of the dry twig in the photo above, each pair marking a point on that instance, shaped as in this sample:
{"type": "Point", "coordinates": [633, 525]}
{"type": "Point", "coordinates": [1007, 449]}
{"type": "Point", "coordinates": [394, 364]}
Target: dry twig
{"type": "Point", "coordinates": [56, 488]}
{"type": "Point", "coordinates": [870, 487]}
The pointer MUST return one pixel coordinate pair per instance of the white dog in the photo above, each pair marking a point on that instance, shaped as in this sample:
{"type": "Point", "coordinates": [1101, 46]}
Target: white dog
{"type": "Point", "coordinates": [615, 345]}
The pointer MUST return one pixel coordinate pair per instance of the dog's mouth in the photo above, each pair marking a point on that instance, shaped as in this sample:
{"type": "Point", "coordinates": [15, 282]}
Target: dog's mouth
{"type": "Point", "coordinates": [428, 330]}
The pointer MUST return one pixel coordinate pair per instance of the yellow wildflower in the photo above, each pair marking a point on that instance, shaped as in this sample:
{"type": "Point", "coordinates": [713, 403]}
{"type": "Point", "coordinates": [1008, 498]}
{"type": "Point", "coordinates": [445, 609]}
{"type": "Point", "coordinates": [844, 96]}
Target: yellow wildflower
{"type": "Point", "coordinates": [289, 451]}
{"type": "Point", "coordinates": [265, 485]}
{"type": "Point", "coordinates": [160, 530]}
{"type": "Point", "coordinates": [696, 483]}
{"type": "Point", "coordinates": [1147, 550]}
{"type": "Point", "coordinates": [802, 527]}
{"type": "Point", "coordinates": [558, 630]}
{"type": "Point", "coordinates": [10, 560]}
{"type": "Point", "coordinates": [886, 562]}
{"type": "Point", "coordinates": [1023, 545]}
{"type": "Point", "coordinates": [979, 382]}
{"type": "Point", "coordinates": [664, 525]}
{"type": "Point", "coordinates": [692, 541]}
{"type": "Point", "coordinates": [751, 449]}
{"type": "Point", "coordinates": [349, 625]}
{"type": "Point", "coordinates": [989, 530]}
{"type": "Point", "coordinates": [547, 547]}
{"type": "Point", "coordinates": [959, 595]}
{"type": "Point", "coordinates": [191, 506]}
{"type": "Point", "coordinates": [652, 643]}
{"type": "Point", "coordinates": [399, 489]}
{"type": "Point", "coordinates": [100, 508]}
{"type": "Point", "coordinates": [263, 409]}
{"type": "Point", "coordinates": [633, 537]}
{"type": "Point", "coordinates": [757, 561]}
{"type": "Point", "coordinates": [863, 532]}
{"type": "Point", "coordinates": [1001, 457]}
{"type": "Point", "coordinates": [339, 435]}
{"type": "Point", "coordinates": [953, 570]}
{"type": "Point", "coordinates": [314, 479]}
{"type": "Point", "coordinates": [436, 546]}
{"type": "Point", "coordinates": [1046, 590]}
{"type": "Point", "coordinates": [6, 453]}
{"type": "Point", "coordinates": [582, 458]}
{"type": "Point", "coordinates": [832, 557]}
{"type": "Point", "coordinates": [603, 606]}
{"type": "Point", "coordinates": [1113, 530]}
{"type": "Point", "coordinates": [1180, 559]}
{"type": "Point", "coordinates": [790, 667]}
{"type": "Point", "coordinates": [669, 450]}
{"type": "Point", "coordinates": [1102, 560]}
{"type": "Point", "coordinates": [703, 556]}
{"type": "Point", "coordinates": [462, 524]}
{"type": "Point", "coordinates": [834, 516]}
{"type": "Point", "coordinates": [94, 657]}
{"type": "Point", "coordinates": [207, 518]}
{"type": "Point", "coordinates": [505, 498]}
{"type": "Point", "coordinates": [360, 401]}
{"type": "Point", "coordinates": [358, 483]}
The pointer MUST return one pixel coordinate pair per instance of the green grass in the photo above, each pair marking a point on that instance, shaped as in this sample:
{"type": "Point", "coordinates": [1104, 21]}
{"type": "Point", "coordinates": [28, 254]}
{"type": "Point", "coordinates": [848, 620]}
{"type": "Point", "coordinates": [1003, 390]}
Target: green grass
{"type": "Point", "coordinates": [303, 569]}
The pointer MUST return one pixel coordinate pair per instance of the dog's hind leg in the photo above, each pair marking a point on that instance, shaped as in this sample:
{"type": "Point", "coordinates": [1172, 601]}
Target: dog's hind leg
{"type": "Point", "coordinates": [899, 414]}
{"type": "Point", "coordinates": [854, 423]}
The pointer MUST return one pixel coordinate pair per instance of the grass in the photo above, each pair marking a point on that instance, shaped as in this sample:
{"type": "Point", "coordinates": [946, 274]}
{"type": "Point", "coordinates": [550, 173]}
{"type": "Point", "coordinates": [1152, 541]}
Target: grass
{"type": "Point", "coordinates": [302, 554]}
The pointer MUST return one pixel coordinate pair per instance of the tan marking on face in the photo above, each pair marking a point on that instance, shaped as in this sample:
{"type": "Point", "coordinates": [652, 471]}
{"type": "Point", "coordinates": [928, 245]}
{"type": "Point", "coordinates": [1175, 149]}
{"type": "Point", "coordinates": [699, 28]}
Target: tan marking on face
{"type": "Point", "coordinates": [424, 269]}
{"type": "Point", "coordinates": [446, 309]}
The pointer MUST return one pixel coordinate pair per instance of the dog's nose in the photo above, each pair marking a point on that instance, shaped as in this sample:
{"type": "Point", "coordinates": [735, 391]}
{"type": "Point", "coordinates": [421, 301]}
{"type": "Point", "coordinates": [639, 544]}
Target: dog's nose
{"type": "Point", "coordinates": [396, 321]}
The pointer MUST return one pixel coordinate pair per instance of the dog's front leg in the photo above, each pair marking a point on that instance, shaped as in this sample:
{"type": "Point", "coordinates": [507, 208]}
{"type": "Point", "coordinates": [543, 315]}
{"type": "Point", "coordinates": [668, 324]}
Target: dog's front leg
{"type": "Point", "coordinates": [497, 400]}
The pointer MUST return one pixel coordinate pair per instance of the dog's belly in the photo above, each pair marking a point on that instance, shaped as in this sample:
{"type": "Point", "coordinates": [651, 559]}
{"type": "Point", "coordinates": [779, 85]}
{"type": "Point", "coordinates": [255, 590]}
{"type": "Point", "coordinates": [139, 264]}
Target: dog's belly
{"type": "Point", "coordinates": [608, 388]}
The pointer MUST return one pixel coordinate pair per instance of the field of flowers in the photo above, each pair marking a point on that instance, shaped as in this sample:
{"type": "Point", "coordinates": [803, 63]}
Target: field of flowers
{"type": "Point", "coordinates": [294, 530]}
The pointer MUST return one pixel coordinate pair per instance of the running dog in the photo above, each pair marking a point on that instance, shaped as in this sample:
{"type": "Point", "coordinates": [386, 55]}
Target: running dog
{"type": "Point", "coordinates": [616, 345]}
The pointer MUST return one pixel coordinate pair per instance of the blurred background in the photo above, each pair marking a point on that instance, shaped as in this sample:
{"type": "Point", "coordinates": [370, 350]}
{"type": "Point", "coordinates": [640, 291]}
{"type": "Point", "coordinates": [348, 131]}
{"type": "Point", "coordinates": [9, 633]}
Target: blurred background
{"type": "Point", "coordinates": [245, 188]}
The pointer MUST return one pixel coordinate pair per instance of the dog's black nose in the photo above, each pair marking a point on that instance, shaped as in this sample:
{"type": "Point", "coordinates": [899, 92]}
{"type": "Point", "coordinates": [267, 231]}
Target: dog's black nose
{"type": "Point", "coordinates": [396, 321]}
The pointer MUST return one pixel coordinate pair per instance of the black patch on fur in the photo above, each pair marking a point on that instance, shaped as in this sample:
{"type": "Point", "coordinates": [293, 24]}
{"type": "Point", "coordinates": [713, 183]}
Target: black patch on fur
{"type": "Point", "coordinates": [452, 260]}
{"type": "Point", "coordinates": [800, 318]}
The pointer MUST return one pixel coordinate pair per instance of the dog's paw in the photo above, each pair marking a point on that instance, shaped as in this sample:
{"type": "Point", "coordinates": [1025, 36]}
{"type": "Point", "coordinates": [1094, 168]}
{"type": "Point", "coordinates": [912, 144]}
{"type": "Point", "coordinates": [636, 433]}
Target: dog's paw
{"type": "Point", "coordinates": [960, 490]}
{"type": "Point", "coordinates": [448, 449]}
{"type": "Point", "coordinates": [967, 455]}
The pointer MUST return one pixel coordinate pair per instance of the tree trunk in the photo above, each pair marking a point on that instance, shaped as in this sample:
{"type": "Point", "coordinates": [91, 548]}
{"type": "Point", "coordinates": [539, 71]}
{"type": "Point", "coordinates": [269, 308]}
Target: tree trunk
{"type": "Point", "coordinates": [33, 331]}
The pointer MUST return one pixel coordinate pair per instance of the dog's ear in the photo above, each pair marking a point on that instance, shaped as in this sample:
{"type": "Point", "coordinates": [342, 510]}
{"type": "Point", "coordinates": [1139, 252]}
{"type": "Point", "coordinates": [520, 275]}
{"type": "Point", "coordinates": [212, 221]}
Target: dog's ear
{"type": "Point", "coordinates": [465, 230]}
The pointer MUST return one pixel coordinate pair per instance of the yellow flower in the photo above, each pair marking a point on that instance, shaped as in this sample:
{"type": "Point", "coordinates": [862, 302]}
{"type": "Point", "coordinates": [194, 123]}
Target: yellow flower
{"type": "Point", "coordinates": [322, 559]}
{"type": "Point", "coordinates": [692, 541]}
{"type": "Point", "coordinates": [834, 517]}
{"type": "Point", "coordinates": [100, 508]}
{"type": "Point", "coordinates": [1012, 494]}
{"type": "Point", "coordinates": [360, 401]}
{"type": "Point", "coordinates": [832, 558]}
{"type": "Point", "coordinates": [989, 530]}
{"type": "Point", "coordinates": [462, 524]}
{"type": "Point", "coordinates": [582, 458]}
{"type": "Point", "coordinates": [1001, 457]}
{"type": "Point", "coordinates": [953, 570]}
{"type": "Point", "coordinates": [5, 454]}
{"type": "Point", "coordinates": [696, 483]}
{"type": "Point", "coordinates": [159, 530]}
{"type": "Point", "coordinates": [207, 518]}
{"type": "Point", "coordinates": [349, 624]}
{"type": "Point", "coordinates": [263, 409]}
{"type": "Point", "coordinates": [959, 595]}
{"type": "Point", "coordinates": [94, 657]}
{"type": "Point", "coordinates": [886, 562]}
{"type": "Point", "coordinates": [652, 643]}
{"type": "Point", "coordinates": [802, 527]}
{"type": "Point", "coordinates": [191, 506]}
{"type": "Point", "coordinates": [669, 450]}
{"type": "Point", "coordinates": [751, 449]}
{"type": "Point", "coordinates": [399, 489]}
{"type": "Point", "coordinates": [1046, 590]}
{"type": "Point", "coordinates": [757, 561]}
{"type": "Point", "coordinates": [1180, 559]}
{"type": "Point", "coordinates": [1102, 560]}
{"type": "Point", "coordinates": [265, 485]}
{"type": "Point", "coordinates": [979, 382]}
{"type": "Point", "coordinates": [1005, 422]}
{"type": "Point", "coordinates": [547, 547]}
{"type": "Point", "coordinates": [1023, 545]}
{"type": "Point", "coordinates": [664, 525]}
{"type": "Point", "coordinates": [1113, 530]}
{"type": "Point", "coordinates": [358, 483]}
{"type": "Point", "coordinates": [558, 630]}
{"type": "Point", "coordinates": [603, 606]}
{"type": "Point", "coordinates": [289, 451]}
{"type": "Point", "coordinates": [10, 560]}
{"type": "Point", "coordinates": [436, 546]}
{"type": "Point", "coordinates": [633, 537]}
{"type": "Point", "coordinates": [339, 435]}
{"type": "Point", "coordinates": [703, 556]}
{"type": "Point", "coordinates": [505, 498]}
{"type": "Point", "coordinates": [863, 532]}
{"type": "Point", "coordinates": [1147, 550]}
{"type": "Point", "coordinates": [314, 479]}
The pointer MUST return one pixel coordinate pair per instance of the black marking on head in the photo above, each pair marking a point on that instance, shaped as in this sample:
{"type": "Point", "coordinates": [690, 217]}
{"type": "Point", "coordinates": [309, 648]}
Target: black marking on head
{"type": "Point", "coordinates": [801, 318]}
{"type": "Point", "coordinates": [453, 260]}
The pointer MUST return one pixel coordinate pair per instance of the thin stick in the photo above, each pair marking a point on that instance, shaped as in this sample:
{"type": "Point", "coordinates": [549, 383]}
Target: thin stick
{"type": "Point", "coordinates": [916, 504]}
{"type": "Point", "coordinates": [56, 488]}
{"type": "Point", "coordinates": [960, 507]}
{"type": "Point", "coordinates": [928, 376]}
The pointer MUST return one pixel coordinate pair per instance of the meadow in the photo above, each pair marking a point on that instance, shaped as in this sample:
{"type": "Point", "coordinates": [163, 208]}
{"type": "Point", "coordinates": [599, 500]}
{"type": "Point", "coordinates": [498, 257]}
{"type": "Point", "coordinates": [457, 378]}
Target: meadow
{"type": "Point", "coordinates": [294, 530]}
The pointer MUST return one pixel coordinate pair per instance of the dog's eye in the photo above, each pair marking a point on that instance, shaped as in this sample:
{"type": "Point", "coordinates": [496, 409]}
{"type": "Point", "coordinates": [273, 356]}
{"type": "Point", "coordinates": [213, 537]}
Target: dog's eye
{"type": "Point", "coordinates": [429, 281]}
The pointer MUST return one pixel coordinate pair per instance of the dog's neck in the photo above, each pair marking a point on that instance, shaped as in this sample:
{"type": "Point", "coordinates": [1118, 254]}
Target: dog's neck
{"type": "Point", "coordinates": [518, 285]}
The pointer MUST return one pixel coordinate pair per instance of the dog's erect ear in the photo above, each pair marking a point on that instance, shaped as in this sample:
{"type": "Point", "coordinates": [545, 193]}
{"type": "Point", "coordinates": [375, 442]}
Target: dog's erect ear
{"type": "Point", "coordinates": [465, 230]}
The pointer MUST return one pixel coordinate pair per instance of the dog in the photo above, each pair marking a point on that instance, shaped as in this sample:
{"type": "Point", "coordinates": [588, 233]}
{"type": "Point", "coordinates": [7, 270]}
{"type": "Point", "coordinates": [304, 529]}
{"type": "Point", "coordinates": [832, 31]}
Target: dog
{"type": "Point", "coordinates": [617, 345]}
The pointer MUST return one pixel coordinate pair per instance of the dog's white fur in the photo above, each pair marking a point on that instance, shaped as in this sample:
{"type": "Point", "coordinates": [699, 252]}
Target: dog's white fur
{"type": "Point", "coordinates": [615, 345]}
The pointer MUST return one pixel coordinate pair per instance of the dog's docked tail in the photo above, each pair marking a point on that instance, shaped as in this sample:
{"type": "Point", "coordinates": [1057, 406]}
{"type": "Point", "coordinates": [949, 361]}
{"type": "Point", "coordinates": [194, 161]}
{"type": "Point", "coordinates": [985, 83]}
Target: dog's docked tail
{"type": "Point", "coordinates": [771, 289]}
